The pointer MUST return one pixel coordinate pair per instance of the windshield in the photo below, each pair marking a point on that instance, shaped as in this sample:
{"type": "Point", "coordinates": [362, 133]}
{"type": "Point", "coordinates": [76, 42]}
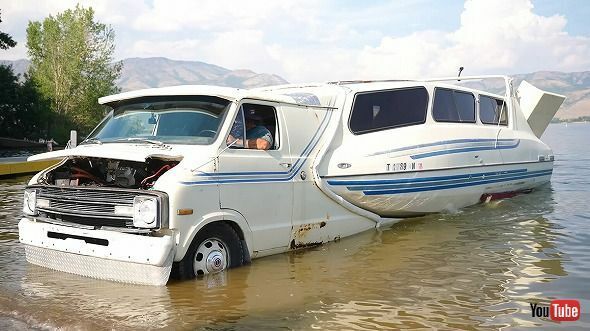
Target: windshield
{"type": "Point", "coordinates": [170, 119]}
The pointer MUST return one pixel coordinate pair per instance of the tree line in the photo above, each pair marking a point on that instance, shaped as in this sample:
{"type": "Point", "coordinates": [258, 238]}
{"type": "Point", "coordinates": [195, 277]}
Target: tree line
{"type": "Point", "coordinates": [71, 56]}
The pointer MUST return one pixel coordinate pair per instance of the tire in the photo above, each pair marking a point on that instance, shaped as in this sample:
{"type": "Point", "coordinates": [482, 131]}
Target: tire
{"type": "Point", "coordinates": [217, 247]}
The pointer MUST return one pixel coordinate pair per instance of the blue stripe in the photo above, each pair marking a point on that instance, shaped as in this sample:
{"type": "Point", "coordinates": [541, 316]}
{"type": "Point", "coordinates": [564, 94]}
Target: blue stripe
{"type": "Point", "coordinates": [463, 150]}
{"type": "Point", "coordinates": [451, 186]}
{"type": "Point", "coordinates": [431, 183]}
{"type": "Point", "coordinates": [260, 176]}
{"type": "Point", "coordinates": [443, 142]}
{"type": "Point", "coordinates": [421, 179]}
{"type": "Point", "coordinates": [442, 183]}
{"type": "Point", "coordinates": [242, 175]}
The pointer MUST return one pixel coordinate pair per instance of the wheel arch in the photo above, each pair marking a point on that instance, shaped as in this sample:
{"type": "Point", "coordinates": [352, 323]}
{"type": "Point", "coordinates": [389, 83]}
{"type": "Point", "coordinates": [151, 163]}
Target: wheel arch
{"type": "Point", "coordinates": [228, 216]}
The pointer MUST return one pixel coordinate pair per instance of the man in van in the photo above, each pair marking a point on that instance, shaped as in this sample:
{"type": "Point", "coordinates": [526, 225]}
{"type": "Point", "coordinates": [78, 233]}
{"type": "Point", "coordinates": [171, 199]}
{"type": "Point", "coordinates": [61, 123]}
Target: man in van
{"type": "Point", "coordinates": [257, 135]}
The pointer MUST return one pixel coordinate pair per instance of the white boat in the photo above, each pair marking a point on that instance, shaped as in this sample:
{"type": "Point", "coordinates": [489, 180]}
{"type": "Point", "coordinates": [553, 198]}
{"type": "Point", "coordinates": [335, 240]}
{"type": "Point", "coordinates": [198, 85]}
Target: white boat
{"type": "Point", "coordinates": [177, 177]}
{"type": "Point", "coordinates": [451, 158]}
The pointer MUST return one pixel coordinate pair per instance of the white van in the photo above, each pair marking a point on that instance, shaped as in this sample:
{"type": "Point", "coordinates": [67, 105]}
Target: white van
{"type": "Point", "coordinates": [200, 179]}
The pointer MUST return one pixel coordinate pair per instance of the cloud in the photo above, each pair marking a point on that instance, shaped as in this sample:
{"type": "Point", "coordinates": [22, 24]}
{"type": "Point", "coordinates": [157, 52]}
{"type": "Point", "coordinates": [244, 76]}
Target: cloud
{"type": "Point", "coordinates": [184, 49]}
{"type": "Point", "coordinates": [310, 40]}
{"type": "Point", "coordinates": [17, 14]}
{"type": "Point", "coordinates": [494, 37]}
{"type": "Point", "coordinates": [209, 15]}
{"type": "Point", "coordinates": [314, 64]}
{"type": "Point", "coordinates": [243, 49]}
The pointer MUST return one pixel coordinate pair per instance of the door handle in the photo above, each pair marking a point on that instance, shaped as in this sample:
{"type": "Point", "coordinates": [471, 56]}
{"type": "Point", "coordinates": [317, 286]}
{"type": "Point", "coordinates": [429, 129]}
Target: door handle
{"type": "Point", "coordinates": [286, 164]}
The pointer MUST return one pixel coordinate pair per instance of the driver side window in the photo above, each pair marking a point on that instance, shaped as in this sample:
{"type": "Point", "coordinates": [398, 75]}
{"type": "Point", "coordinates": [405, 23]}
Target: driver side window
{"type": "Point", "coordinates": [255, 127]}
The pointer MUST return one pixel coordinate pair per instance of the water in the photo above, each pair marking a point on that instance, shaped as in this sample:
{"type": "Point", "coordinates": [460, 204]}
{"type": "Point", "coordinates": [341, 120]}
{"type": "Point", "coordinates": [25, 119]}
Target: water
{"type": "Point", "coordinates": [479, 268]}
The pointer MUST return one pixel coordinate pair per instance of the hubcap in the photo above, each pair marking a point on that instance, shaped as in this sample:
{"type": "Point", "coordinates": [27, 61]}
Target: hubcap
{"type": "Point", "coordinates": [211, 257]}
{"type": "Point", "coordinates": [215, 262]}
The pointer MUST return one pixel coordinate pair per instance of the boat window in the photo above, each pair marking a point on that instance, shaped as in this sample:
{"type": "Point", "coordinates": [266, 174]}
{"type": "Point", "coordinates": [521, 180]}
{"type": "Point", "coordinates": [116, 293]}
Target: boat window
{"type": "Point", "coordinates": [380, 110]}
{"type": "Point", "coordinates": [453, 106]}
{"type": "Point", "coordinates": [492, 111]}
{"type": "Point", "coordinates": [257, 122]}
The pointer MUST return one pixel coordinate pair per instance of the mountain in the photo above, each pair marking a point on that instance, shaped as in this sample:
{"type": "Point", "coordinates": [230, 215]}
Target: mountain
{"type": "Point", "coordinates": [140, 73]}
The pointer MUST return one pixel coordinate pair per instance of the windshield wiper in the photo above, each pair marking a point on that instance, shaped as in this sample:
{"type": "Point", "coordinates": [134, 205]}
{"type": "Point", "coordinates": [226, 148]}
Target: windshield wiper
{"type": "Point", "coordinates": [143, 140]}
{"type": "Point", "coordinates": [91, 141]}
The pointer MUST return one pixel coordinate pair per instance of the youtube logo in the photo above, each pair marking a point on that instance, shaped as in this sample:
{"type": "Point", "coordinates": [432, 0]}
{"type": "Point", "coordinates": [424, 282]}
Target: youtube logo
{"type": "Point", "coordinates": [564, 310]}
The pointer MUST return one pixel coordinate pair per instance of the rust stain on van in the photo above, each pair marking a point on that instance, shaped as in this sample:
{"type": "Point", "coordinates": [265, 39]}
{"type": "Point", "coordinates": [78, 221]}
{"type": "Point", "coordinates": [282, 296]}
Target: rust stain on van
{"type": "Point", "coordinates": [300, 245]}
{"type": "Point", "coordinates": [302, 231]}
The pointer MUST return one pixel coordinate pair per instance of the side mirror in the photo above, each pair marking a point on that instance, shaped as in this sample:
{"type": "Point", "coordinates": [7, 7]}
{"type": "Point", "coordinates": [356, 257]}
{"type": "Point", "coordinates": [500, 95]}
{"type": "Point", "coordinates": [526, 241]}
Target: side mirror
{"type": "Point", "coordinates": [152, 119]}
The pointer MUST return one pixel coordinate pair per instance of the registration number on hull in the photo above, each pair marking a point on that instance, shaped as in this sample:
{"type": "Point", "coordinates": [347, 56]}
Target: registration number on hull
{"type": "Point", "coordinates": [403, 166]}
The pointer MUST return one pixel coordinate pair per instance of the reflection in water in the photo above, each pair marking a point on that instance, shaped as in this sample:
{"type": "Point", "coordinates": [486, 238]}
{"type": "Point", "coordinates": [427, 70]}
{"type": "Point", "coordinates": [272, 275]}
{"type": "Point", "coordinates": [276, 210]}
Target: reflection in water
{"type": "Point", "coordinates": [477, 268]}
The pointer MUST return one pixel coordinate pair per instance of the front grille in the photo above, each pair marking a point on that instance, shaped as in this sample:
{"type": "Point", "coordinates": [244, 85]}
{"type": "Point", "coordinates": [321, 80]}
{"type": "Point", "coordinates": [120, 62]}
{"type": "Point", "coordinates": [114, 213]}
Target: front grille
{"type": "Point", "coordinates": [94, 207]}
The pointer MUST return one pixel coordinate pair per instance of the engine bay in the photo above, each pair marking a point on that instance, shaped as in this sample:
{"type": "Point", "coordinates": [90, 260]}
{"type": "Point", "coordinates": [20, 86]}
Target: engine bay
{"type": "Point", "coordinates": [108, 173]}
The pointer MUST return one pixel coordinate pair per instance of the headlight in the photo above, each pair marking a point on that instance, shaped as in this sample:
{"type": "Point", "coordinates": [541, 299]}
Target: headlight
{"type": "Point", "coordinates": [30, 202]}
{"type": "Point", "coordinates": [146, 212]}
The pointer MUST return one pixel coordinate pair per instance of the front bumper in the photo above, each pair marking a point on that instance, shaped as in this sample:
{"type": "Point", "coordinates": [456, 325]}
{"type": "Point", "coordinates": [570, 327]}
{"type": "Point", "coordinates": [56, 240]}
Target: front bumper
{"type": "Point", "coordinates": [101, 254]}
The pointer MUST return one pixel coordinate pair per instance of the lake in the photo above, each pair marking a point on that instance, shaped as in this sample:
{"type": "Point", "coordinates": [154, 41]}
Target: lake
{"type": "Point", "coordinates": [477, 268]}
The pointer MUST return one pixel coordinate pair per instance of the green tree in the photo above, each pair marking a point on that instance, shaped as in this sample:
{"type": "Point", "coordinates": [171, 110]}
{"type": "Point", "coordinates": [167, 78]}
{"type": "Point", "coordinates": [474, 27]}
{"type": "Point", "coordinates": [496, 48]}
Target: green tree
{"type": "Point", "coordinates": [6, 40]}
{"type": "Point", "coordinates": [8, 96]}
{"type": "Point", "coordinates": [23, 112]}
{"type": "Point", "coordinates": [72, 65]}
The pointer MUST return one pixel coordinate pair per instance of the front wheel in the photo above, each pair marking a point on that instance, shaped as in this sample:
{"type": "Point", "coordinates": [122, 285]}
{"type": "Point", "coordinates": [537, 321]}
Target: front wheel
{"type": "Point", "coordinates": [214, 249]}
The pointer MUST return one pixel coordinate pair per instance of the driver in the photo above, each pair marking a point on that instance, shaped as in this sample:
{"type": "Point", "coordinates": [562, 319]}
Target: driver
{"type": "Point", "coordinates": [257, 135]}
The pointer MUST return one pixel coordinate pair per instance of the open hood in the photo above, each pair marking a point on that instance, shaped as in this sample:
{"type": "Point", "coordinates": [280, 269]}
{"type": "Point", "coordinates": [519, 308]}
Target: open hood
{"type": "Point", "coordinates": [118, 151]}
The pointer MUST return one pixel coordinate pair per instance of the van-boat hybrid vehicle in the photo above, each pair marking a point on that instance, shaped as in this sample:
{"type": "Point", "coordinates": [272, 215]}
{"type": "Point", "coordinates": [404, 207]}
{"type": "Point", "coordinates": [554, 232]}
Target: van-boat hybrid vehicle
{"type": "Point", "coordinates": [160, 184]}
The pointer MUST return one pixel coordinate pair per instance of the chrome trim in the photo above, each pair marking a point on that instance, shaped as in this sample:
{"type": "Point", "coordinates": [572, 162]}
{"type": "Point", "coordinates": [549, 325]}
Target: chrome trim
{"type": "Point", "coordinates": [98, 201]}
{"type": "Point", "coordinates": [95, 214]}
{"type": "Point", "coordinates": [90, 227]}
{"type": "Point", "coordinates": [127, 230]}
{"type": "Point", "coordinates": [94, 203]}
{"type": "Point", "coordinates": [56, 222]}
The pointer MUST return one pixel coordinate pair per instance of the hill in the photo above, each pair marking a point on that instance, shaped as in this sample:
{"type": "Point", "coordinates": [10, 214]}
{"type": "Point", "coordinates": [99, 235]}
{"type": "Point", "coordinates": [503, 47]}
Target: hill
{"type": "Point", "coordinates": [140, 73]}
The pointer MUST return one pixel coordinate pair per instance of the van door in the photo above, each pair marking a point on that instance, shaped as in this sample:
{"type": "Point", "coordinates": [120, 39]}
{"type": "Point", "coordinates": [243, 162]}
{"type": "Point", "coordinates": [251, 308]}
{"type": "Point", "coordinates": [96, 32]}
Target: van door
{"type": "Point", "coordinates": [256, 182]}
{"type": "Point", "coordinates": [311, 215]}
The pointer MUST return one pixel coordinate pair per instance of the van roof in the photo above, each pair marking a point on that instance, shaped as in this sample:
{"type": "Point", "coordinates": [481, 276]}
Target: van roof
{"type": "Point", "coordinates": [310, 94]}
{"type": "Point", "coordinates": [318, 96]}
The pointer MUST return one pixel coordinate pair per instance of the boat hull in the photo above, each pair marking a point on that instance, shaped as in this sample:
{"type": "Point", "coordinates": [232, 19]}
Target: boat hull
{"type": "Point", "coordinates": [404, 194]}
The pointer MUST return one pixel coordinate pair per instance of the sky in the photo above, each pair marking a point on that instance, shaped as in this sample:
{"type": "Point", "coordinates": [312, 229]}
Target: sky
{"type": "Point", "coordinates": [321, 40]}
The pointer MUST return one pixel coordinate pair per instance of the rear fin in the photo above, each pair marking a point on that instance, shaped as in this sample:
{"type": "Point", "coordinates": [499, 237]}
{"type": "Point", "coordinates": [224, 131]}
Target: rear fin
{"type": "Point", "coordinates": [537, 106]}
